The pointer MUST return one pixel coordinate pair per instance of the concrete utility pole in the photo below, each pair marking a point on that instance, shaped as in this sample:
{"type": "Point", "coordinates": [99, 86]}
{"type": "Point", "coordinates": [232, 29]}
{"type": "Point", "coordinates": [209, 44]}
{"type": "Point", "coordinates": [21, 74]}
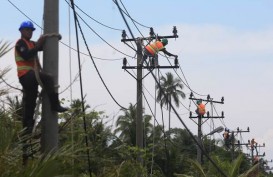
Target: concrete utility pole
{"type": "Point", "coordinates": [255, 146]}
{"type": "Point", "coordinates": [139, 78]}
{"type": "Point", "coordinates": [139, 113]}
{"type": "Point", "coordinates": [49, 138]}
{"type": "Point", "coordinates": [239, 144]}
{"type": "Point", "coordinates": [200, 123]}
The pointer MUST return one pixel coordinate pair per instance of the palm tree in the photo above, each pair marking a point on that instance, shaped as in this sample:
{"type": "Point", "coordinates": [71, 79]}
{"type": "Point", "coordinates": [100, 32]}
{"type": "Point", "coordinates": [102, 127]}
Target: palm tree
{"type": "Point", "coordinates": [170, 89]}
{"type": "Point", "coordinates": [230, 169]}
{"type": "Point", "coordinates": [126, 125]}
{"type": "Point", "coordinates": [4, 48]}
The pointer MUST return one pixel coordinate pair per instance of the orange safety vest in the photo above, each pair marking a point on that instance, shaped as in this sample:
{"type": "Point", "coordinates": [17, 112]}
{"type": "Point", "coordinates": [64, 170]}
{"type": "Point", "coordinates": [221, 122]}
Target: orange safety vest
{"type": "Point", "coordinates": [154, 47]}
{"type": "Point", "coordinates": [23, 66]}
{"type": "Point", "coordinates": [201, 109]}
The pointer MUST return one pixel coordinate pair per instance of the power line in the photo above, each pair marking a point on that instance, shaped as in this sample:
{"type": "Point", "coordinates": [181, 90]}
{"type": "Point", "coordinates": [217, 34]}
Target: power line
{"type": "Point", "coordinates": [186, 82]}
{"type": "Point", "coordinates": [81, 87]}
{"type": "Point", "coordinates": [99, 58]}
{"type": "Point", "coordinates": [95, 19]}
{"type": "Point", "coordinates": [90, 55]}
{"type": "Point", "coordinates": [102, 37]}
{"type": "Point", "coordinates": [131, 17]}
{"type": "Point", "coordinates": [190, 133]}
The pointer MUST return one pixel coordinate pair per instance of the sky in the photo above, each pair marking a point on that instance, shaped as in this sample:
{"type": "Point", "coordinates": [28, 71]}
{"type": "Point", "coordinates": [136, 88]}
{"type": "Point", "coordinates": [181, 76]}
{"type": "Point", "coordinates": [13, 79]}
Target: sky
{"type": "Point", "coordinates": [225, 49]}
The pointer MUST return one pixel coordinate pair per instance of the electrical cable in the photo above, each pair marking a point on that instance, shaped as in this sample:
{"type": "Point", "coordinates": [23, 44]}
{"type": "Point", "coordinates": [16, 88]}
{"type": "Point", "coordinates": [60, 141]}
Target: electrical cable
{"type": "Point", "coordinates": [101, 37]}
{"type": "Point", "coordinates": [131, 17]}
{"type": "Point", "coordinates": [190, 133]}
{"type": "Point", "coordinates": [153, 135]}
{"type": "Point", "coordinates": [71, 83]}
{"type": "Point", "coordinates": [171, 107]}
{"type": "Point", "coordinates": [99, 58]}
{"type": "Point", "coordinates": [96, 20]}
{"type": "Point", "coordinates": [125, 21]}
{"type": "Point", "coordinates": [81, 88]}
{"type": "Point", "coordinates": [23, 13]}
{"type": "Point", "coordinates": [186, 82]}
{"type": "Point", "coordinates": [221, 119]}
{"type": "Point", "coordinates": [76, 19]}
{"type": "Point", "coordinates": [92, 56]}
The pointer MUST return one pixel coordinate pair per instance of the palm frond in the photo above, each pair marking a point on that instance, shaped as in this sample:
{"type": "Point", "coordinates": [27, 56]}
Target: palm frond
{"type": "Point", "coordinates": [4, 47]}
{"type": "Point", "coordinates": [197, 167]}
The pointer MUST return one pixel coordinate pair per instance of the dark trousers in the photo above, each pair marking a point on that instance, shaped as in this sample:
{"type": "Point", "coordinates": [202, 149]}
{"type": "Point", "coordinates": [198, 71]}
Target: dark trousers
{"type": "Point", "coordinates": [30, 93]}
{"type": "Point", "coordinates": [147, 54]}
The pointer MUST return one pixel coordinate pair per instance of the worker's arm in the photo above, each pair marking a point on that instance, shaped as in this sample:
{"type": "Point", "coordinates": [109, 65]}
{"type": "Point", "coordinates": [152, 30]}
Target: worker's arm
{"type": "Point", "coordinates": [40, 43]}
{"type": "Point", "coordinates": [22, 49]}
{"type": "Point", "coordinates": [168, 53]}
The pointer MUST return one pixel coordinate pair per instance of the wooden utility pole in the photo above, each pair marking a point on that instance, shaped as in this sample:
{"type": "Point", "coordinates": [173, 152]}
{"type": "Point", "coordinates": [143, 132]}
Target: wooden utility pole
{"type": "Point", "coordinates": [200, 122]}
{"type": "Point", "coordinates": [49, 138]}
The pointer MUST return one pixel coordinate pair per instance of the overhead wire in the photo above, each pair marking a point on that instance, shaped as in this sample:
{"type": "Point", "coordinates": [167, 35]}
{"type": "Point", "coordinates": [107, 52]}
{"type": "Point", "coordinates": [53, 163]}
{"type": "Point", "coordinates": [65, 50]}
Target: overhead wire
{"type": "Point", "coordinates": [97, 20]}
{"type": "Point", "coordinates": [221, 119]}
{"type": "Point", "coordinates": [186, 82]}
{"type": "Point", "coordinates": [70, 85]}
{"type": "Point", "coordinates": [90, 55]}
{"type": "Point", "coordinates": [99, 58]}
{"type": "Point", "coordinates": [81, 88]}
{"type": "Point", "coordinates": [171, 107]}
{"type": "Point", "coordinates": [101, 36]}
{"type": "Point", "coordinates": [153, 134]}
{"type": "Point", "coordinates": [131, 17]}
{"type": "Point", "coordinates": [190, 133]}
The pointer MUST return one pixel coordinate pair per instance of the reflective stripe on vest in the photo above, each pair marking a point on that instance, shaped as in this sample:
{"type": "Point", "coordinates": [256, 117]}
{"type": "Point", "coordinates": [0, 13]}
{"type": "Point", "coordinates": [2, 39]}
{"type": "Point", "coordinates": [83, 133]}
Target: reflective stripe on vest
{"type": "Point", "coordinates": [23, 66]}
{"type": "Point", "coordinates": [154, 47]}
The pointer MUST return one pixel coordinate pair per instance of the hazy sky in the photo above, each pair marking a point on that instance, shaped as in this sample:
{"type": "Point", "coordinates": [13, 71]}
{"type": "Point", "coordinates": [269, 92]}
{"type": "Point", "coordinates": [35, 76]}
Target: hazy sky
{"type": "Point", "coordinates": [225, 49]}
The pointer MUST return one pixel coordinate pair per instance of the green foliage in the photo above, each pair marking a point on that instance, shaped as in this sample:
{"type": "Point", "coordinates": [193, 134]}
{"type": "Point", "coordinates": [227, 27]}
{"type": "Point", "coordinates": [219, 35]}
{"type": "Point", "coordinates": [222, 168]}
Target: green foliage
{"type": "Point", "coordinates": [109, 155]}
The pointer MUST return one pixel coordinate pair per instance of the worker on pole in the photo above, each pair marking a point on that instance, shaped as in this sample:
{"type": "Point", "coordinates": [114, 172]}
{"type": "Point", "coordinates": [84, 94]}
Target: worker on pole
{"type": "Point", "coordinates": [226, 136]}
{"type": "Point", "coordinates": [30, 74]}
{"type": "Point", "coordinates": [201, 108]}
{"type": "Point", "coordinates": [151, 50]}
{"type": "Point", "coordinates": [253, 145]}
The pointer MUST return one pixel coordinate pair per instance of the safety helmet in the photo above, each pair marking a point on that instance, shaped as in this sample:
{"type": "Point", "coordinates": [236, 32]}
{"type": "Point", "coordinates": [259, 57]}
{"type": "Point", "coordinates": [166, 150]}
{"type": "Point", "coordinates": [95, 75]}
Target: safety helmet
{"type": "Point", "coordinates": [164, 41]}
{"type": "Point", "coordinates": [27, 24]}
{"type": "Point", "coordinates": [199, 102]}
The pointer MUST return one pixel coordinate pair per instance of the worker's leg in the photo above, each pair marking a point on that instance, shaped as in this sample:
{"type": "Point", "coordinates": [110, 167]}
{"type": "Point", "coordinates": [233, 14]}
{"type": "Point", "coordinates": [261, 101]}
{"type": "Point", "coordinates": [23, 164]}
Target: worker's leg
{"type": "Point", "coordinates": [49, 86]}
{"type": "Point", "coordinates": [145, 56]}
{"type": "Point", "coordinates": [30, 88]}
{"type": "Point", "coordinates": [30, 91]}
{"type": "Point", "coordinates": [156, 60]}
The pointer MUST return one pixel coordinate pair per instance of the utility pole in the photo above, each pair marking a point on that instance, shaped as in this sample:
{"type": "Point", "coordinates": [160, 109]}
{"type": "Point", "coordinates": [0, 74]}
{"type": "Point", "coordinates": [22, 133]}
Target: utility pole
{"type": "Point", "coordinates": [49, 137]}
{"type": "Point", "coordinates": [233, 144]}
{"type": "Point", "coordinates": [140, 77]}
{"type": "Point", "coordinates": [255, 146]}
{"type": "Point", "coordinates": [200, 122]}
{"type": "Point", "coordinates": [139, 113]}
